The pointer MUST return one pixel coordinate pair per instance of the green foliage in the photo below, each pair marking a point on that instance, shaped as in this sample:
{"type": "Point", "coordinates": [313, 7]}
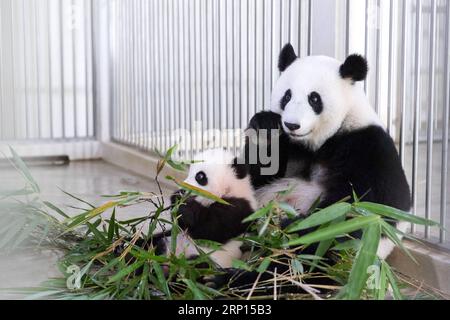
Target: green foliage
{"type": "Point", "coordinates": [104, 257]}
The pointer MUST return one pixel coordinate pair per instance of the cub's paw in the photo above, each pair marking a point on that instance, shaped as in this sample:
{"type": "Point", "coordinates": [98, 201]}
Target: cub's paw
{"type": "Point", "coordinates": [214, 281]}
{"type": "Point", "coordinates": [176, 196]}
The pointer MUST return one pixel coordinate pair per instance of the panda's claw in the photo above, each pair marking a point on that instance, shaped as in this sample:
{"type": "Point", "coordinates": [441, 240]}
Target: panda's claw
{"type": "Point", "coordinates": [213, 281]}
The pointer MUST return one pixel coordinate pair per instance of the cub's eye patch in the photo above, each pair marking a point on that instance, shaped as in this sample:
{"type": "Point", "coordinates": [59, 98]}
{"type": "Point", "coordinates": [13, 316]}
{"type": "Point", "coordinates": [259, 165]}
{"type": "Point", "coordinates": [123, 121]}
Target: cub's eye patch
{"type": "Point", "coordinates": [201, 178]}
{"type": "Point", "coordinates": [286, 98]}
{"type": "Point", "coordinates": [315, 101]}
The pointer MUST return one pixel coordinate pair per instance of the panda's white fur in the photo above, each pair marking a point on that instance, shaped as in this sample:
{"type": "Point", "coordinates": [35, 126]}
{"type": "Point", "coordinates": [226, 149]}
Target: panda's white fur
{"type": "Point", "coordinates": [222, 182]}
{"type": "Point", "coordinates": [347, 106]}
{"type": "Point", "coordinates": [302, 196]}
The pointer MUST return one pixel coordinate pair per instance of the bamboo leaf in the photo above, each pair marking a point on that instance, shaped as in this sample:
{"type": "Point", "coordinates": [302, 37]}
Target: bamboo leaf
{"type": "Point", "coordinates": [264, 265]}
{"type": "Point", "coordinates": [111, 264]}
{"type": "Point", "coordinates": [393, 281]}
{"type": "Point", "coordinates": [390, 232]}
{"type": "Point", "coordinates": [381, 291]}
{"type": "Point", "coordinates": [394, 213]}
{"type": "Point", "coordinates": [22, 167]}
{"type": "Point", "coordinates": [336, 230]}
{"type": "Point", "coordinates": [12, 193]}
{"type": "Point", "coordinates": [97, 234]}
{"type": "Point", "coordinates": [349, 244]}
{"type": "Point", "coordinates": [324, 245]}
{"type": "Point", "coordinates": [198, 294]}
{"type": "Point", "coordinates": [159, 166]}
{"type": "Point", "coordinates": [112, 225]}
{"type": "Point", "coordinates": [288, 209]}
{"type": "Point", "coordinates": [85, 217]}
{"type": "Point", "coordinates": [197, 191]}
{"type": "Point", "coordinates": [323, 216]}
{"type": "Point", "coordinates": [161, 279]}
{"type": "Point", "coordinates": [263, 228]}
{"type": "Point", "coordinates": [239, 264]}
{"type": "Point", "coordinates": [297, 266]}
{"type": "Point", "coordinates": [259, 213]}
{"type": "Point", "coordinates": [77, 198]}
{"type": "Point", "coordinates": [14, 230]}
{"type": "Point", "coordinates": [126, 271]}
{"type": "Point", "coordinates": [366, 257]}
{"type": "Point", "coordinates": [56, 209]}
{"type": "Point", "coordinates": [25, 233]}
{"type": "Point", "coordinates": [143, 283]}
{"type": "Point", "coordinates": [165, 159]}
{"type": "Point", "coordinates": [177, 165]}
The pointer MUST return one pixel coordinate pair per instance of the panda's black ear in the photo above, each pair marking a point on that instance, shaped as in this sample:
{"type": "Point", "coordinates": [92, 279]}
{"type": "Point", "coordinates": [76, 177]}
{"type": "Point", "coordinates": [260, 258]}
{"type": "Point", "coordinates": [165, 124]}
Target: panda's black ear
{"type": "Point", "coordinates": [240, 168]}
{"type": "Point", "coordinates": [287, 56]}
{"type": "Point", "coordinates": [355, 67]}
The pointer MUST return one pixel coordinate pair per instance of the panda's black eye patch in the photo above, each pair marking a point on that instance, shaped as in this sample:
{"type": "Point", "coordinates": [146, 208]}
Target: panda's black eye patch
{"type": "Point", "coordinates": [201, 178]}
{"type": "Point", "coordinates": [315, 101]}
{"type": "Point", "coordinates": [286, 98]}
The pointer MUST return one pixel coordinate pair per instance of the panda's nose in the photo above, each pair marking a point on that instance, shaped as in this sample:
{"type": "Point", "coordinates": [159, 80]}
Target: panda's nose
{"type": "Point", "coordinates": [292, 126]}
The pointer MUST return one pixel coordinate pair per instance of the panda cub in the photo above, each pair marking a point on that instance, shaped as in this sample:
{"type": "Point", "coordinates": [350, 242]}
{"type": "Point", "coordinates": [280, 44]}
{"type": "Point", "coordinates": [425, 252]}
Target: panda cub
{"type": "Point", "coordinates": [217, 172]}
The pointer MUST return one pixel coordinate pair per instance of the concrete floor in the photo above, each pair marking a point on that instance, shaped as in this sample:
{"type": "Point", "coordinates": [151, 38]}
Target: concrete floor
{"type": "Point", "coordinates": [85, 179]}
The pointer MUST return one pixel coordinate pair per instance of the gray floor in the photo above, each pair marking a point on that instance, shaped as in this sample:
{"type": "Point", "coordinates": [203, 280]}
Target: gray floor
{"type": "Point", "coordinates": [85, 179]}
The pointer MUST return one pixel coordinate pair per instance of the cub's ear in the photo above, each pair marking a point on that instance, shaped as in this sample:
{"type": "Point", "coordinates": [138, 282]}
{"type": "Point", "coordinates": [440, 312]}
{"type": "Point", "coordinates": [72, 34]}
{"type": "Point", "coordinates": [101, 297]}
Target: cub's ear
{"type": "Point", "coordinates": [240, 168]}
{"type": "Point", "coordinates": [287, 56]}
{"type": "Point", "coordinates": [355, 67]}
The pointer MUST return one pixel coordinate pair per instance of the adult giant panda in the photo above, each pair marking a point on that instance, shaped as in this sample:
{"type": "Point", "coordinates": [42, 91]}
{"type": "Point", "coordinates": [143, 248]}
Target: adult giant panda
{"type": "Point", "coordinates": [331, 143]}
{"type": "Point", "coordinates": [331, 140]}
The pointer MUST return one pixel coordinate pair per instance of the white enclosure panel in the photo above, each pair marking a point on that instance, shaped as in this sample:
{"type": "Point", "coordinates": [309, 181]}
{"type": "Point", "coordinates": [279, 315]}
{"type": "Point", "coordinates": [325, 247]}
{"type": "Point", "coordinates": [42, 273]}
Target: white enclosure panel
{"type": "Point", "coordinates": [46, 87]}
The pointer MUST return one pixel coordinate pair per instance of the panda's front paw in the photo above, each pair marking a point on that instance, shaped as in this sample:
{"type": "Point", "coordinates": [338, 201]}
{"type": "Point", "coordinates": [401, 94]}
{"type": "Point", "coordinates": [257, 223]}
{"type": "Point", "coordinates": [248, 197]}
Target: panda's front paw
{"type": "Point", "coordinates": [268, 121]}
{"type": "Point", "coordinates": [265, 120]}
